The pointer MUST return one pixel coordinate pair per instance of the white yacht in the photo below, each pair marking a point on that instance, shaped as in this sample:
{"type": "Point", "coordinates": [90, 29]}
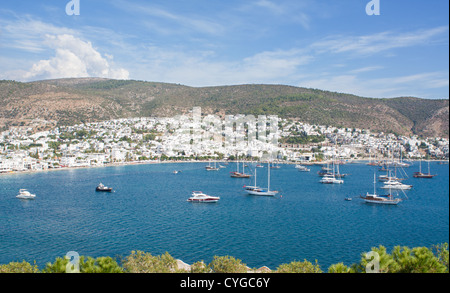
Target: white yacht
{"type": "Point", "coordinates": [198, 196]}
{"type": "Point", "coordinates": [331, 179]}
{"type": "Point", "coordinates": [302, 168]}
{"type": "Point", "coordinates": [392, 184]}
{"type": "Point", "coordinates": [25, 194]}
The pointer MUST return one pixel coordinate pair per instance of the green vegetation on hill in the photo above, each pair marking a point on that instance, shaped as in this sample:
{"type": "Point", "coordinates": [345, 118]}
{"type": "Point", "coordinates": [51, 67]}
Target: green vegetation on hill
{"type": "Point", "coordinates": [71, 101]}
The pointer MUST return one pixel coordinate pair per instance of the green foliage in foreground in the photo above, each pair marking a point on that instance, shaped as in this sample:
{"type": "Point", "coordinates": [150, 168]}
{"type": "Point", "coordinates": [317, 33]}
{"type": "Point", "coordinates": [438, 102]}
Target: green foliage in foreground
{"type": "Point", "coordinates": [402, 259]}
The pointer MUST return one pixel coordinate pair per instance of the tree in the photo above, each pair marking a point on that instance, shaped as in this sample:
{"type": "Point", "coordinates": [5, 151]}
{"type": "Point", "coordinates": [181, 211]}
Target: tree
{"type": "Point", "coordinates": [19, 267]}
{"type": "Point", "coordinates": [417, 260]}
{"type": "Point", "coordinates": [339, 268]}
{"type": "Point", "coordinates": [442, 254]}
{"type": "Point", "coordinates": [227, 264]}
{"type": "Point", "coordinates": [299, 267]}
{"type": "Point", "coordinates": [144, 262]}
{"type": "Point", "coordinates": [99, 265]}
{"type": "Point", "coordinates": [386, 263]}
{"type": "Point", "coordinates": [86, 265]}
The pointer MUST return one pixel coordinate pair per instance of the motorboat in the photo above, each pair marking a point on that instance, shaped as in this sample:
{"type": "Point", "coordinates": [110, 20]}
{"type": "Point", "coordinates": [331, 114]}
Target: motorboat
{"type": "Point", "coordinates": [302, 168]}
{"type": "Point", "coordinates": [392, 184]}
{"type": "Point", "coordinates": [198, 196]}
{"type": "Point", "coordinates": [25, 194]}
{"type": "Point", "coordinates": [331, 179]}
{"type": "Point", "coordinates": [103, 188]}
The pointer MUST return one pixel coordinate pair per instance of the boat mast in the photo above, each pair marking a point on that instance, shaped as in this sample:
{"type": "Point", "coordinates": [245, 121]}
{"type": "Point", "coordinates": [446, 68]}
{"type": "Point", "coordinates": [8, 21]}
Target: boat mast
{"type": "Point", "coordinates": [374, 184]}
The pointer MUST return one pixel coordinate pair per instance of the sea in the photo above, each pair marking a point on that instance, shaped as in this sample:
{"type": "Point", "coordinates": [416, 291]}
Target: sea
{"type": "Point", "coordinates": [148, 211]}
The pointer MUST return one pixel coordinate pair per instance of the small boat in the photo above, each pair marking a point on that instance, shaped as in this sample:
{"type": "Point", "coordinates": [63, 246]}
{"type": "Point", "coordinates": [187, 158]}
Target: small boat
{"type": "Point", "coordinates": [198, 196]}
{"type": "Point", "coordinates": [211, 168]}
{"type": "Point", "coordinates": [302, 168]}
{"type": "Point", "coordinates": [25, 194]}
{"type": "Point", "coordinates": [348, 198]}
{"type": "Point", "coordinates": [259, 166]}
{"type": "Point", "coordinates": [103, 188]}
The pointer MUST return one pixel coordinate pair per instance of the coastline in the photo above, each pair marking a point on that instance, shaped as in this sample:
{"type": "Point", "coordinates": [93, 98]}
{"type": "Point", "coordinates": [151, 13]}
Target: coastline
{"type": "Point", "coordinates": [352, 161]}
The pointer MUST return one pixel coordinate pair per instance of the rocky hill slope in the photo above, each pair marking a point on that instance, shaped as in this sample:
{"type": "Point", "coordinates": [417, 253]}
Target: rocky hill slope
{"type": "Point", "coordinates": [70, 101]}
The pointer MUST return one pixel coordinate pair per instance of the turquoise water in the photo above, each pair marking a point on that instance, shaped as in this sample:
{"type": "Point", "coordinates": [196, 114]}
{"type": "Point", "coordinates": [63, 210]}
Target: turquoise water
{"type": "Point", "coordinates": [148, 211]}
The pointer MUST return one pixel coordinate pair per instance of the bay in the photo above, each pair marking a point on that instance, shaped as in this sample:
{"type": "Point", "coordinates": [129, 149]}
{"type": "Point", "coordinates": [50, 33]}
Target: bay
{"type": "Point", "coordinates": [148, 211]}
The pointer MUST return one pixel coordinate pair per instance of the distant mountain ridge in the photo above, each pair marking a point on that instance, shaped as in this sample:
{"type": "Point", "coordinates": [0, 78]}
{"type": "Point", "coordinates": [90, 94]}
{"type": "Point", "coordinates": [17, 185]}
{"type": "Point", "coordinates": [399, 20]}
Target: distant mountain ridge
{"type": "Point", "coordinates": [77, 100]}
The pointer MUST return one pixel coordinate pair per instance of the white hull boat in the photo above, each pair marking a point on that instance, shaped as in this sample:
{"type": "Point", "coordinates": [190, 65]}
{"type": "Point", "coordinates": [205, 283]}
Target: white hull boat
{"type": "Point", "coordinates": [198, 196]}
{"type": "Point", "coordinates": [25, 194]}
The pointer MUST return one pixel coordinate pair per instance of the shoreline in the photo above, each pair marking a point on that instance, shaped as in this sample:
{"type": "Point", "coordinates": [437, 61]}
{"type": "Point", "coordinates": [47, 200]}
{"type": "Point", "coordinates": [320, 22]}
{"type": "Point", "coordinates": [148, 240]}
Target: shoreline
{"type": "Point", "coordinates": [352, 161]}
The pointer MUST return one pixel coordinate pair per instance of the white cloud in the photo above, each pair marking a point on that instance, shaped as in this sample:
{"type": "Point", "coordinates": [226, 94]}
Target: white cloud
{"type": "Point", "coordinates": [201, 68]}
{"type": "Point", "coordinates": [407, 85]}
{"type": "Point", "coordinates": [375, 43]}
{"type": "Point", "coordinates": [73, 58]}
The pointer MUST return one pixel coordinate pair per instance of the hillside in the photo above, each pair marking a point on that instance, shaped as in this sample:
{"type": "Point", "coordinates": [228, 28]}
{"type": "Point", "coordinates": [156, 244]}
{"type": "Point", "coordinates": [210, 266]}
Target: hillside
{"type": "Point", "coordinates": [70, 101]}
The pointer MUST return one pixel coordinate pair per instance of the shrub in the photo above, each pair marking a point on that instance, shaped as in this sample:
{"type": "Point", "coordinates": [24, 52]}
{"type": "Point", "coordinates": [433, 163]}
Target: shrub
{"type": "Point", "coordinates": [142, 262]}
{"type": "Point", "coordinates": [100, 265]}
{"type": "Point", "coordinates": [339, 268]}
{"type": "Point", "coordinates": [227, 264]}
{"type": "Point", "coordinates": [200, 267]}
{"type": "Point", "coordinates": [417, 260]}
{"type": "Point", "coordinates": [386, 263]}
{"type": "Point", "coordinates": [299, 267]}
{"type": "Point", "coordinates": [19, 267]}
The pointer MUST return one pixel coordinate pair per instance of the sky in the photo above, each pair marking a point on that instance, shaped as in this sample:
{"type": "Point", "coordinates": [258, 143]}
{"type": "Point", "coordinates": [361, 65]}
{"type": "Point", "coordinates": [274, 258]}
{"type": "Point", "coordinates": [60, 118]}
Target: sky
{"type": "Point", "coordinates": [323, 44]}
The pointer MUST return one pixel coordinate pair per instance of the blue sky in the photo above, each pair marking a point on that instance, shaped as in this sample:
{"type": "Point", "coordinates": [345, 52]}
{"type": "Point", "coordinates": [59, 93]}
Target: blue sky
{"type": "Point", "coordinates": [324, 44]}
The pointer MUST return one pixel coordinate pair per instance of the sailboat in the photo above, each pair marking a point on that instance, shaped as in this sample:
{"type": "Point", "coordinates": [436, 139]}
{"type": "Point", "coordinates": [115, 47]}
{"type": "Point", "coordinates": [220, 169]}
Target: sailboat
{"type": "Point", "coordinates": [211, 168]}
{"type": "Point", "coordinates": [237, 174]}
{"type": "Point", "coordinates": [423, 175]}
{"type": "Point", "coordinates": [380, 199]}
{"type": "Point", "coordinates": [261, 191]}
{"type": "Point", "coordinates": [254, 186]}
{"type": "Point", "coordinates": [332, 178]}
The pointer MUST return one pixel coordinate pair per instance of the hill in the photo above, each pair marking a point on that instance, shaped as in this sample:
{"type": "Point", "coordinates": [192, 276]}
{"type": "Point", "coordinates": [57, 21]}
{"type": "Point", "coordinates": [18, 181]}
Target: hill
{"type": "Point", "coordinates": [70, 101]}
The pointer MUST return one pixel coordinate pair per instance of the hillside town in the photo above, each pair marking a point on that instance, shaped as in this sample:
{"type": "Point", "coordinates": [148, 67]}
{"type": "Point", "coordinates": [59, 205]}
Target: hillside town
{"type": "Point", "coordinates": [197, 137]}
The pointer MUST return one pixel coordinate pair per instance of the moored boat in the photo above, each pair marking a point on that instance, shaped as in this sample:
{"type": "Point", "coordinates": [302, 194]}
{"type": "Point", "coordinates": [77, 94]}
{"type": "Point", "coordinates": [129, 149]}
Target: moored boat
{"type": "Point", "coordinates": [103, 188]}
{"type": "Point", "coordinates": [198, 196]}
{"type": "Point", "coordinates": [25, 194]}
{"type": "Point", "coordinates": [392, 184]}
